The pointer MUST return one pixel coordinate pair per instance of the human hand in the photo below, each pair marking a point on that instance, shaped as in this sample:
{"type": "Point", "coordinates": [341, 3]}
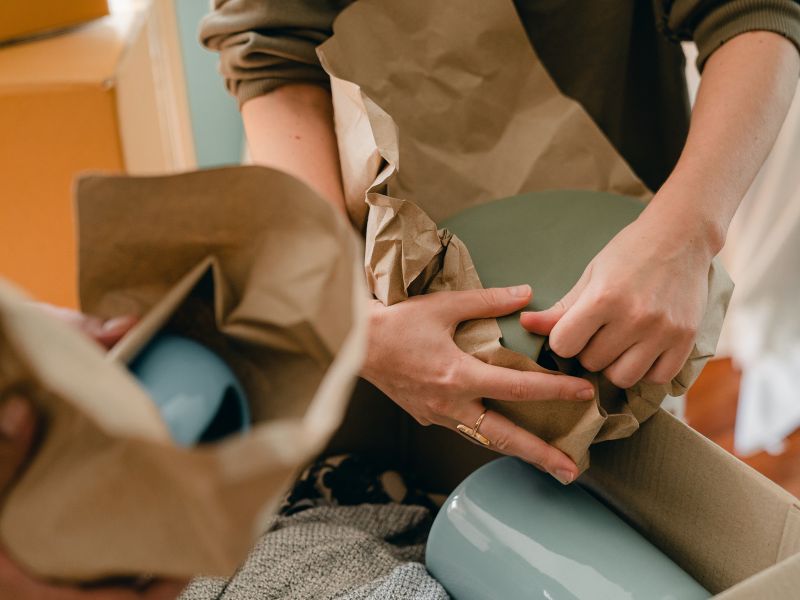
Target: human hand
{"type": "Point", "coordinates": [105, 332]}
{"type": "Point", "coordinates": [17, 433]}
{"type": "Point", "coordinates": [413, 359]}
{"type": "Point", "coordinates": [635, 311]}
{"type": "Point", "coordinates": [17, 417]}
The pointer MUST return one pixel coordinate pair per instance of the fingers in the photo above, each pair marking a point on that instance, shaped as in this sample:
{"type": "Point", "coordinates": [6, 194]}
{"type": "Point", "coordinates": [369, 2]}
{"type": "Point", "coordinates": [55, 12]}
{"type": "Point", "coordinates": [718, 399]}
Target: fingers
{"type": "Point", "coordinates": [507, 438]}
{"type": "Point", "coordinates": [669, 364]}
{"type": "Point", "coordinates": [500, 383]}
{"type": "Point", "coordinates": [461, 306]}
{"type": "Point", "coordinates": [109, 332]}
{"type": "Point", "coordinates": [574, 330]}
{"type": "Point", "coordinates": [648, 361]}
{"type": "Point", "coordinates": [606, 346]}
{"type": "Point", "coordinates": [106, 333]}
{"type": "Point", "coordinates": [542, 322]}
{"type": "Point", "coordinates": [17, 429]}
{"type": "Point", "coordinates": [631, 367]}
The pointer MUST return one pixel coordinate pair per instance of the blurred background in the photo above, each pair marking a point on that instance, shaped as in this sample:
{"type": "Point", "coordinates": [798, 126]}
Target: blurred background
{"type": "Point", "coordinates": [124, 86]}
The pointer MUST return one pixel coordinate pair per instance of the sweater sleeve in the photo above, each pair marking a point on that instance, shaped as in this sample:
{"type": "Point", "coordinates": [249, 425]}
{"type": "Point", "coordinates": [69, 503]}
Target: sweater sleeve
{"type": "Point", "coordinates": [264, 44]}
{"type": "Point", "coordinates": [711, 23]}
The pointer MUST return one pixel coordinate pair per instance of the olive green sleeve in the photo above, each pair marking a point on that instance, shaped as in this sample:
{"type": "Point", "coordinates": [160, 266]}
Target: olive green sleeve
{"type": "Point", "coordinates": [711, 23]}
{"type": "Point", "coordinates": [264, 44]}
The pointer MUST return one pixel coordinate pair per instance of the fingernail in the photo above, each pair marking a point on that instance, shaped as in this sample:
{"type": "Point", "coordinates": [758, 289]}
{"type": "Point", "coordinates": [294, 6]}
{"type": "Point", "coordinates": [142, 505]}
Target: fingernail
{"type": "Point", "coordinates": [587, 394]}
{"type": "Point", "coordinates": [12, 416]}
{"type": "Point", "coordinates": [117, 323]}
{"type": "Point", "coordinates": [563, 476]}
{"type": "Point", "coordinates": [520, 291]}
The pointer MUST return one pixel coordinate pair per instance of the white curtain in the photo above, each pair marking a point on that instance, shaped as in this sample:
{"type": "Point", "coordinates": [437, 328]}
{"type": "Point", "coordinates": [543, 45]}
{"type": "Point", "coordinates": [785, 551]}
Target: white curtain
{"type": "Point", "coordinates": [762, 329]}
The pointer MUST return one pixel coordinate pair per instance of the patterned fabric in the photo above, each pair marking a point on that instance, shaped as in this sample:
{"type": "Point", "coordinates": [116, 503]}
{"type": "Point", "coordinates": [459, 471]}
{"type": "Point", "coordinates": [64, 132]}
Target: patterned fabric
{"type": "Point", "coordinates": [349, 530]}
{"type": "Point", "coordinates": [347, 480]}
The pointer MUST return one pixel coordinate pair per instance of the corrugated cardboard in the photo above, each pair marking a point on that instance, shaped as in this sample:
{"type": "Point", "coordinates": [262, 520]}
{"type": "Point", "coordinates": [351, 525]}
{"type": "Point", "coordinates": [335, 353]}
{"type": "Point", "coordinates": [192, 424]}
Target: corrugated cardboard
{"type": "Point", "coordinates": [23, 18]}
{"type": "Point", "coordinates": [726, 524]}
{"type": "Point", "coordinates": [719, 519]}
{"type": "Point", "coordinates": [253, 264]}
{"type": "Point", "coordinates": [440, 107]}
{"type": "Point", "coordinates": [83, 100]}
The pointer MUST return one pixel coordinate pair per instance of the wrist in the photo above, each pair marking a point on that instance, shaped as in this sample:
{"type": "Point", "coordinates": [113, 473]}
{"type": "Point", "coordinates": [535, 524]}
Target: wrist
{"type": "Point", "coordinates": [683, 217]}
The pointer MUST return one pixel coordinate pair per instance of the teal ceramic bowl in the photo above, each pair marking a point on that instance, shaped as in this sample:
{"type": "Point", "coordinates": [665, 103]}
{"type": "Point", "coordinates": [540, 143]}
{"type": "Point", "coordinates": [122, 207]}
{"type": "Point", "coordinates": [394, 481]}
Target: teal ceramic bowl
{"type": "Point", "coordinates": [198, 395]}
{"type": "Point", "coordinates": [511, 532]}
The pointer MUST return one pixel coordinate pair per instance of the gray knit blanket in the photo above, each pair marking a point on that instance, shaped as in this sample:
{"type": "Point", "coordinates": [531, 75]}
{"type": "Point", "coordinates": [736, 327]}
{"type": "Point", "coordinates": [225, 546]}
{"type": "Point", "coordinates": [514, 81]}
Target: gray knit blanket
{"type": "Point", "coordinates": [326, 544]}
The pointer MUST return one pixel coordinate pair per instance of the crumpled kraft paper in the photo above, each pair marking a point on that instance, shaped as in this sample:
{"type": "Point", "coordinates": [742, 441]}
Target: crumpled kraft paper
{"type": "Point", "coordinates": [442, 106]}
{"type": "Point", "coordinates": [248, 261]}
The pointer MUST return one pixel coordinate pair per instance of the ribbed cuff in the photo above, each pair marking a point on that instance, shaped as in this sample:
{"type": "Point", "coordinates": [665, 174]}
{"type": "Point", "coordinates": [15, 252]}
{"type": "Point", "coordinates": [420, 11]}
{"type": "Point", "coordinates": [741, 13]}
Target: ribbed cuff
{"type": "Point", "coordinates": [740, 16]}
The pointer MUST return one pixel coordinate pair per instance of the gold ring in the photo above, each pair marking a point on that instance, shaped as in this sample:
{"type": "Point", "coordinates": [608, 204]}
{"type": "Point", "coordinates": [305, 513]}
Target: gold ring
{"type": "Point", "coordinates": [473, 433]}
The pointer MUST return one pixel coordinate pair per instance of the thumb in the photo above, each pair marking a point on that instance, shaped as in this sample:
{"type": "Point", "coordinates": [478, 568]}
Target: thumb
{"type": "Point", "coordinates": [543, 321]}
{"type": "Point", "coordinates": [461, 306]}
{"type": "Point", "coordinates": [108, 332]}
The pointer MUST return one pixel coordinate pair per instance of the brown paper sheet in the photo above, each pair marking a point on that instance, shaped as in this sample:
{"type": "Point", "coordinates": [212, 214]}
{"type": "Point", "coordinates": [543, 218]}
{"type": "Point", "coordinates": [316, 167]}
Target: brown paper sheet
{"type": "Point", "coordinates": [430, 121]}
{"type": "Point", "coordinates": [250, 262]}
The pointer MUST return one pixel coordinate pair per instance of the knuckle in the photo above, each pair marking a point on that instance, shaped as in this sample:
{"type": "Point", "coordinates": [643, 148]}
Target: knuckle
{"type": "Point", "coordinates": [621, 380]}
{"type": "Point", "coordinates": [518, 390]}
{"type": "Point", "coordinates": [438, 405]}
{"type": "Point", "coordinates": [448, 377]}
{"type": "Point", "coordinates": [665, 373]}
{"type": "Point", "coordinates": [606, 297]}
{"type": "Point", "coordinates": [688, 331]}
{"type": "Point", "coordinates": [591, 363]}
{"type": "Point", "coordinates": [556, 344]}
{"type": "Point", "coordinates": [658, 378]}
{"type": "Point", "coordinates": [489, 298]}
{"type": "Point", "coordinates": [561, 346]}
{"type": "Point", "coordinates": [502, 442]}
{"type": "Point", "coordinates": [663, 321]}
{"type": "Point", "coordinates": [560, 305]}
{"type": "Point", "coordinates": [424, 421]}
{"type": "Point", "coordinates": [641, 315]}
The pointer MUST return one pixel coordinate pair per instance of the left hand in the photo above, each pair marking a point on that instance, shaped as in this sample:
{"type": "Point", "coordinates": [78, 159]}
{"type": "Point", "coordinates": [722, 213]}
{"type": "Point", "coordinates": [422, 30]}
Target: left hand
{"type": "Point", "coordinates": [635, 311]}
{"type": "Point", "coordinates": [17, 431]}
{"type": "Point", "coordinates": [105, 332]}
{"type": "Point", "coordinates": [18, 425]}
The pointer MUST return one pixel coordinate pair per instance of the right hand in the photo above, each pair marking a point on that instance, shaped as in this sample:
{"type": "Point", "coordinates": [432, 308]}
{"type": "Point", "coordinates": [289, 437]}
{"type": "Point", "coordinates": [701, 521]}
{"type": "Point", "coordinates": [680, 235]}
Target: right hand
{"type": "Point", "coordinates": [413, 359]}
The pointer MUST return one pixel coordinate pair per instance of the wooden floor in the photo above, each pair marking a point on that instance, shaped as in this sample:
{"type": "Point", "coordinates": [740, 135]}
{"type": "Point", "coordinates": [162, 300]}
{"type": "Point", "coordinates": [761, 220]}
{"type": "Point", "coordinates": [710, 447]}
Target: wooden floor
{"type": "Point", "coordinates": [711, 410]}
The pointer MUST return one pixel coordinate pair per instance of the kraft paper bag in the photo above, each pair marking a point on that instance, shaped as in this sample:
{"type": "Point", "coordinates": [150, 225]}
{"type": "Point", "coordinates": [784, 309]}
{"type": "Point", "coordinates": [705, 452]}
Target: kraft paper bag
{"type": "Point", "coordinates": [442, 106]}
{"type": "Point", "coordinates": [248, 261]}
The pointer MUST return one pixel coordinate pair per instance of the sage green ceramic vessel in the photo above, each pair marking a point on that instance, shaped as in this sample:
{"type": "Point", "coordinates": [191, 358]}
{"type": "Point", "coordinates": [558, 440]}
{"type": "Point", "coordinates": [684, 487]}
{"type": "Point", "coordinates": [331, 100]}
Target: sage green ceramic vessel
{"type": "Point", "coordinates": [545, 239]}
{"type": "Point", "coordinates": [511, 532]}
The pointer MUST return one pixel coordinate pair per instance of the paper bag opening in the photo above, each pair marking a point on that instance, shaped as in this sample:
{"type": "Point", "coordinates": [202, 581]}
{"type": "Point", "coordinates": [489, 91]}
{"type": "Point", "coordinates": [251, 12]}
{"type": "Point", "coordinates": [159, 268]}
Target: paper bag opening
{"type": "Point", "coordinates": [251, 263]}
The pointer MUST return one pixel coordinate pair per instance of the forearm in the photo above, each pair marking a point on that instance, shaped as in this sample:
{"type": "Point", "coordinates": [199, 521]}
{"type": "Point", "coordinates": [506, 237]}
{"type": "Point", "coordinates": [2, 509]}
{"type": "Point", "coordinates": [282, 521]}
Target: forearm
{"type": "Point", "coordinates": [744, 95]}
{"type": "Point", "coordinates": [291, 129]}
